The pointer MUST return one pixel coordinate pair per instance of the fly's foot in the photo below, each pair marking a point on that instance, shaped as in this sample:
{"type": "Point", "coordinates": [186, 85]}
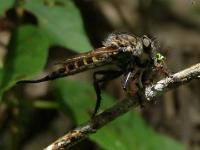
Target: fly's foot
{"type": "Point", "coordinates": [132, 89]}
{"type": "Point", "coordinates": [141, 98]}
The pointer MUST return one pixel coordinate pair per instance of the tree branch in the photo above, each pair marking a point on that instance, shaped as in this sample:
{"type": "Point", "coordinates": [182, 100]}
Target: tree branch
{"type": "Point", "coordinates": [124, 106]}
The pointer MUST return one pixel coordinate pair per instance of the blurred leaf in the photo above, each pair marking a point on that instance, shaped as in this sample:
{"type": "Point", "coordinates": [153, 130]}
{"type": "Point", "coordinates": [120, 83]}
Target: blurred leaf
{"type": "Point", "coordinates": [28, 50]}
{"type": "Point", "coordinates": [62, 21]}
{"type": "Point", "coordinates": [44, 104]}
{"type": "Point", "coordinates": [126, 133]}
{"type": "Point", "coordinates": [4, 5]}
{"type": "Point", "coordinates": [195, 12]}
{"type": "Point", "coordinates": [79, 97]}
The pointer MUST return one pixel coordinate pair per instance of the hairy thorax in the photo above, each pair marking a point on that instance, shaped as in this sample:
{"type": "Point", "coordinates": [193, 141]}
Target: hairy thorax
{"type": "Point", "coordinates": [131, 49]}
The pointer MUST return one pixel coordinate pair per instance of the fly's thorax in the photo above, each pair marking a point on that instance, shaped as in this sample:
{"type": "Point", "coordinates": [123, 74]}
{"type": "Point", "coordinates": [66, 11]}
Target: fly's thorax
{"type": "Point", "coordinates": [138, 49]}
{"type": "Point", "coordinates": [125, 43]}
{"type": "Point", "coordinates": [143, 48]}
{"type": "Point", "coordinates": [120, 41]}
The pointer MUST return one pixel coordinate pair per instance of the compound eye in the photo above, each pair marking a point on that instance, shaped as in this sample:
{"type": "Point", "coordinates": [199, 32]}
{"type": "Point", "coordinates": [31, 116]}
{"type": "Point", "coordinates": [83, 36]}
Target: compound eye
{"type": "Point", "coordinates": [146, 41]}
{"type": "Point", "coordinates": [160, 58]}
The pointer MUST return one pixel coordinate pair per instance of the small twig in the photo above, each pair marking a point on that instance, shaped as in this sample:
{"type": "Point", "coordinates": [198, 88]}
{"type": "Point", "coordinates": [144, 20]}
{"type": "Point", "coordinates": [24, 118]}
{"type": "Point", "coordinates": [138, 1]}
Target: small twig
{"type": "Point", "coordinates": [124, 106]}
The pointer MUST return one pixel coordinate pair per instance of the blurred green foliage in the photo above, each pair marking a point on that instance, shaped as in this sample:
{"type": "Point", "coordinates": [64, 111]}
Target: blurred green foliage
{"type": "Point", "coordinates": [27, 55]}
{"type": "Point", "coordinates": [4, 5]}
{"type": "Point", "coordinates": [62, 21]}
{"type": "Point", "coordinates": [59, 22]}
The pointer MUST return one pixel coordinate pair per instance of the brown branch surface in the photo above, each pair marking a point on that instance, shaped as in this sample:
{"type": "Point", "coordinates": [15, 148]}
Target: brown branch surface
{"type": "Point", "coordinates": [124, 106]}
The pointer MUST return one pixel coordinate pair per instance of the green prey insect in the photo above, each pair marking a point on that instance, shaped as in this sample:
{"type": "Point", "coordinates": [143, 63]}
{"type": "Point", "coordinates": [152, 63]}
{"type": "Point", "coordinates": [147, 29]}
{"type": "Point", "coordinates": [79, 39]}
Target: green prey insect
{"type": "Point", "coordinates": [134, 57]}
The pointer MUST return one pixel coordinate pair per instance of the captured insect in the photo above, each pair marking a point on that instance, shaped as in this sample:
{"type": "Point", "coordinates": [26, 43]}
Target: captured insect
{"type": "Point", "coordinates": [134, 57]}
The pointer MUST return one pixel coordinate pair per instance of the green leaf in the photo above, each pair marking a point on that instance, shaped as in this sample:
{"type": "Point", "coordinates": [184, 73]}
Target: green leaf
{"type": "Point", "coordinates": [27, 55]}
{"type": "Point", "coordinates": [4, 5]}
{"type": "Point", "coordinates": [79, 97]}
{"type": "Point", "coordinates": [62, 21]}
{"type": "Point", "coordinates": [125, 133]}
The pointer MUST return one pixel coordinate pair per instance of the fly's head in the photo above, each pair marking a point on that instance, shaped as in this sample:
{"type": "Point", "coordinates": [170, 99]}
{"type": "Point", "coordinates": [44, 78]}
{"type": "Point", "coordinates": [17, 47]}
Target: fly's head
{"type": "Point", "coordinates": [149, 46]}
{"type": "Point", "coordinates": [142, 47]}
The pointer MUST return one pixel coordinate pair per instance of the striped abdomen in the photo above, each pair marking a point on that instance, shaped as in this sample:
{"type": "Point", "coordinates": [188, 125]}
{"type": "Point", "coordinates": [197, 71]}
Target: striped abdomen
{"type": "Point", "coordinates": [90, 60]}
{"type": "Point", "coordinates": [83, 62]}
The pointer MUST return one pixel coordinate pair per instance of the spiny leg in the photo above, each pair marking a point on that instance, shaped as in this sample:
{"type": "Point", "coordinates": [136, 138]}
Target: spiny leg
{"type": "Point", "coordinates": [140, 79]}
{"type": "Point", "coordinates": [136, 77]}
{"type": "Point", "coordinates": [128, 78]}
{"type": "Point", "coordinates": [140, 92]}
{"type": "Point", "coordinates": [106, 75]}
{"type": "Point", "coordinates": [126, 81]}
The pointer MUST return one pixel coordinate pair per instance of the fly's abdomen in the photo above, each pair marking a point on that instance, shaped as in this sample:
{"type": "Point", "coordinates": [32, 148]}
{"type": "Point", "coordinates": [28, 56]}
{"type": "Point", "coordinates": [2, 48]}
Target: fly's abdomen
{"type": "Point", "coordinates": [78, 64]}
{"type": "Point", "coordinates": [85, 63]}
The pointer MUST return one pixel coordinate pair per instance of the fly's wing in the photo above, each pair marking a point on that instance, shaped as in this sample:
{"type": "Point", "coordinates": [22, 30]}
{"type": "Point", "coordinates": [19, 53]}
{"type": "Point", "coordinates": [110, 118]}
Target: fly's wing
{"type": "Point", "coordinates": [61, 72]}
{"type": "Point", "coordinates": [95, 52]}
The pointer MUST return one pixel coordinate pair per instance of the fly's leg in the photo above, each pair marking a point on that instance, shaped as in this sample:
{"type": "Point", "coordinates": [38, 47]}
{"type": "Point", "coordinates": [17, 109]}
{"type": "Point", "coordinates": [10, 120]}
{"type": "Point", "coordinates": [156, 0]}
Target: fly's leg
{"type": "Point", "coordinates": [128, 78]}
{"type": "Point", "coordinates": [106, 76]}
{"type": "Point", "coordinates": [140, 92]}
{"type": "Point", "coordinates": [140, 79]}
{"type": "Point", "coordinates": [127, 81]}
{"type": "Point", "coordinates": [165, 72]}
{"type": "Point", "coordinates": [135, 76]}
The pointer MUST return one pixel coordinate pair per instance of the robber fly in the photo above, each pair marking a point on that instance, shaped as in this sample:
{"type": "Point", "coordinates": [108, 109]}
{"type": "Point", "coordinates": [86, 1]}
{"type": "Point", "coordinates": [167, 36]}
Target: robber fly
{"type": "Point", "coordinates": [133, 56]}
